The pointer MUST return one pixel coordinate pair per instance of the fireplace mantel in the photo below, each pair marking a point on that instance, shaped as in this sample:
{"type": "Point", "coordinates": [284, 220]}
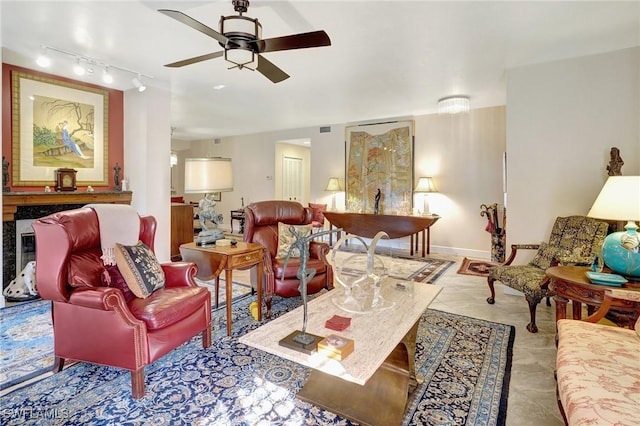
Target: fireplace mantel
{"type": "Point", "coordinates": [33, 205]}
{"type": "Point", "coordinates": [11, 200]}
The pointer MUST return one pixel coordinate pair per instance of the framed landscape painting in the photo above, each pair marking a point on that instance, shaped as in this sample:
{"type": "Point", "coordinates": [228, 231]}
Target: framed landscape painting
{"type": "Point", "coordinates": [58, 125]}
{"type": "Point", "coordinates": [379, 162]}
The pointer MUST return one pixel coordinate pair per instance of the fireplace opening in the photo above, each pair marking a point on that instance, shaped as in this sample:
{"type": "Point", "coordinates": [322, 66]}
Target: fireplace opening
{"type": "Point", "coordinates": [28, 252]}
{"type": "Point", "coordinates": [25, 243]}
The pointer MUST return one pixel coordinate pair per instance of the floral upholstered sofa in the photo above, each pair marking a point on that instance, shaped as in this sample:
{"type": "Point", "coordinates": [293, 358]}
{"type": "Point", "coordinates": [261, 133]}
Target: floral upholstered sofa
{"type": "Point", "coordinates": [598, 367]}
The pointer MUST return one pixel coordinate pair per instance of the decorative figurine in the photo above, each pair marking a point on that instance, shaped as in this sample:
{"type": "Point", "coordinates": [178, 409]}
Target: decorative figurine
{"type": "Point", "coordinates": [376, 207]}
{"type": "Point", "coordinates": [616, 163]}
{"type": "Point", "coordinates": [301, 340]}
{"type": "Point", "coordinates": [208, 212]}
{"type": "Point", "coordinates": [5, 175]}
{"type": "Point", "coordinates": [116, 177]}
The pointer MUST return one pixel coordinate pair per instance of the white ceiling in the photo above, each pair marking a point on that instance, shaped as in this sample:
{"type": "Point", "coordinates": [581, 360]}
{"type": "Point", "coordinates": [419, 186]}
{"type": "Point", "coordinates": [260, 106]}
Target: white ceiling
{"type": "Point", "coordinates": [387, 58]}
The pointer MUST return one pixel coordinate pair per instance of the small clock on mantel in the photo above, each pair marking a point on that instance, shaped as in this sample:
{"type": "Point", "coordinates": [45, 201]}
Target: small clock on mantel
{"type": "Point", "coordinates": [66, 179]}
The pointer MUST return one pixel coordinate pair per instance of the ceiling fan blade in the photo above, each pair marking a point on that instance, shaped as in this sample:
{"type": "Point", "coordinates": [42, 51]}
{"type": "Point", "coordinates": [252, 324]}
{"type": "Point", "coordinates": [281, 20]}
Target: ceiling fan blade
{"type": "Point", "coordinates": [295, 41]}
{"type": "Point", "coordinates": [194, 60]}
{"type": "Point", "coordinates": [197, 25]}
{"type": "Point", "coordinates": [271, 71]}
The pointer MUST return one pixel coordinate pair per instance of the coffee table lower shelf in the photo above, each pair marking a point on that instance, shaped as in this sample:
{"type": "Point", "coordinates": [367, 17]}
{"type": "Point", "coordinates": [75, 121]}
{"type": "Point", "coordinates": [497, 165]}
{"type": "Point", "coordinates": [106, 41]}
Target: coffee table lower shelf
{"type": "Point", "coordinates": [381, 401]}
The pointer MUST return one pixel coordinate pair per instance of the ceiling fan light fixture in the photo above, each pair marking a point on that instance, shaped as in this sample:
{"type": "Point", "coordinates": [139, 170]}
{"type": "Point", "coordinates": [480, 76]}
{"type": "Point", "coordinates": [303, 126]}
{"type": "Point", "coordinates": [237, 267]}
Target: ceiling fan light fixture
{"type": "Point", "coordinates": [453, 105]}
{"type": "Point", "coordinates": [240, 26]}
{"type": "Point", "coordinates": [240, 57]}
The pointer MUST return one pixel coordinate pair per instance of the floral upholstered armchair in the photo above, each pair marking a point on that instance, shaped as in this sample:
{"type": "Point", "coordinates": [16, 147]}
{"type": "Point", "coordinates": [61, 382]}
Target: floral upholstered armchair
{"type": "Point", "coordinates": [574, 241]}
{"type": "Point", "coordinates": [597, 366]}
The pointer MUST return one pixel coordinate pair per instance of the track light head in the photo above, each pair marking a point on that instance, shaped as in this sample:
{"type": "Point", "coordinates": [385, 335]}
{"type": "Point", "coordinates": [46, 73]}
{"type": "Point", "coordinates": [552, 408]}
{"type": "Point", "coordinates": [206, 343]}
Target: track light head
{"type": "Point", "coordinates": [137, 81]}
{"type": "Point", "coordinates": [78, 69]}
{"type": "Point", "coordinates": [107, 77]}
{"type": "Point", "coordinates": [43, 59]}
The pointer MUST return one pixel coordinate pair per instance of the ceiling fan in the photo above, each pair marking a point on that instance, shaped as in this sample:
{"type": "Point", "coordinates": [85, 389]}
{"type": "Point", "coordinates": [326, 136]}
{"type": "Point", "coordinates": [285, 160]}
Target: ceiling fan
{"type": "Point", "coordinates": [240, 37]}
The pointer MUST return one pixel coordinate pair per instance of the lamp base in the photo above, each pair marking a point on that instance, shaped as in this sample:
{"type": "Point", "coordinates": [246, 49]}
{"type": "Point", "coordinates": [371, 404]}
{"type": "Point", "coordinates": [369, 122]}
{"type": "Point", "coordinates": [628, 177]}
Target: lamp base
{"type": "Point", "coordinates": [209, 237]}
{"type": "Point", "coordinates": [620, 252]}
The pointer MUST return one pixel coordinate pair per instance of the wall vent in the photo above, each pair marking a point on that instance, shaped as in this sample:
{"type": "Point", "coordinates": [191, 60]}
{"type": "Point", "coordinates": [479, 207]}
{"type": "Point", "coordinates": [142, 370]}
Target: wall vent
{"type": "Point", "coordinates": [217, 141]}
{"type": "Point", "coordinates": [325, 129]}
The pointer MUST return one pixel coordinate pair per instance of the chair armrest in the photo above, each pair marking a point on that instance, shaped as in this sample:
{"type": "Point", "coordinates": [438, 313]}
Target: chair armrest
{"type": "Point", "coordinates": [179, 274]}
{"type": "Point", "coordinates": [616, 298]}
{"type": "Point", "coordinates": [318, 250]}
{"type": "Point", "coordinates": [103, 298]}
{"type": "Point", "coordinates": [516, 247]}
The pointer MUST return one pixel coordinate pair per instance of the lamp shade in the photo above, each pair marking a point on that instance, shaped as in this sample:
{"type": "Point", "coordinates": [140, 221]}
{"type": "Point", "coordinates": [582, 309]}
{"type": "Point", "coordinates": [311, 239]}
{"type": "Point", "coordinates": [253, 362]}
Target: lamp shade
{"type": "Point", "coordinates": [619, 200]}
{"type": "Point", "coordinates": [425, 184]}
{"type": "Point", "coordinates": [334, 185]}
{"type": "Point", "coordinates": [202, 175]}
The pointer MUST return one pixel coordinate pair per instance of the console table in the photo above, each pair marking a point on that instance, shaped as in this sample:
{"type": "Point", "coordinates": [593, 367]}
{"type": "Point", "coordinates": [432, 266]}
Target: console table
{"type": "Point", "coordinates": [396, 226]}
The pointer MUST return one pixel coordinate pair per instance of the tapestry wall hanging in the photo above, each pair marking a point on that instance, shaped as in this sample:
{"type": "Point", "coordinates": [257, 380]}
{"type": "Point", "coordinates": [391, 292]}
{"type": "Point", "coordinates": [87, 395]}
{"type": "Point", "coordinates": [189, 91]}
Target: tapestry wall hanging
{"type": "Point", "coordinates": [379, 162]}
{"type": "Point", "coordinates": [58, 124]}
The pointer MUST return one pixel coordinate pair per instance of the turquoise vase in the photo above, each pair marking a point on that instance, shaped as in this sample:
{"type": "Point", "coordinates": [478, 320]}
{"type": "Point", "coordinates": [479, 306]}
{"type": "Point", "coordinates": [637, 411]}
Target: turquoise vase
{"type": "Point", "coordinates": [620, 252]}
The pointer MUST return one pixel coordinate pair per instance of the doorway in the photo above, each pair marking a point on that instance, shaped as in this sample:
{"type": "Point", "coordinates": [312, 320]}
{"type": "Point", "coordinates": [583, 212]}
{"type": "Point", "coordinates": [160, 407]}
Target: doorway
{"type": "Point", "coordinates": [292, 172]}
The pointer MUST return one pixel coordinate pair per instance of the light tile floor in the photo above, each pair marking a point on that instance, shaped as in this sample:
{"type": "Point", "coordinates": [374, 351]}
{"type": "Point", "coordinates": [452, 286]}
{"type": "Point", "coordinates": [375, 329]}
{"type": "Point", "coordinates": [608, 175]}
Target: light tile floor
{"type": "Point", "coordinates": [532, 397]}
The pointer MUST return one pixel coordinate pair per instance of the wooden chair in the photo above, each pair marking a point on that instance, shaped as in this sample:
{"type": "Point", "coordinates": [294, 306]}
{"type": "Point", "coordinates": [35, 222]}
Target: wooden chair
{"type": "Point", "coordinates": [574, 240]}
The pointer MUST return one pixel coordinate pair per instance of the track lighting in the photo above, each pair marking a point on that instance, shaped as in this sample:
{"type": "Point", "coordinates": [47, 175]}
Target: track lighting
{"type": "Point", "coordinates": [106, 76]}
{"type": "Point", "coordinates": [85, 65]}
{"type": "Point", "coordinates": [137, 81]}
{"type": "Point", "coordinates": [43, 60]}
{"type": "Point", "coordinates": [78, 69]}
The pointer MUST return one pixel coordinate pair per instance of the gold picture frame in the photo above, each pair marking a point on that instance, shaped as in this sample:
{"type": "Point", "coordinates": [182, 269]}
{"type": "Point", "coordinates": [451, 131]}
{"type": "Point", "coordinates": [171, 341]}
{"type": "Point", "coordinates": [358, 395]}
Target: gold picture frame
{"type": "Point", "coordinates": [58, 124]}
{"type": "Point", "coordinates": [379, 157]}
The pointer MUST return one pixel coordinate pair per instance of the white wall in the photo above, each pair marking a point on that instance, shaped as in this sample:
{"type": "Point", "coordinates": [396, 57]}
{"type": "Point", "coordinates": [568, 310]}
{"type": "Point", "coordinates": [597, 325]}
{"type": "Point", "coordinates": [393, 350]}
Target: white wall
{"type": "Point", "coordinates": [462, 152]}
{"type": "Point", "coordinates": [147, 146]}
{"type": "Point", "coordinates": [562, 120]}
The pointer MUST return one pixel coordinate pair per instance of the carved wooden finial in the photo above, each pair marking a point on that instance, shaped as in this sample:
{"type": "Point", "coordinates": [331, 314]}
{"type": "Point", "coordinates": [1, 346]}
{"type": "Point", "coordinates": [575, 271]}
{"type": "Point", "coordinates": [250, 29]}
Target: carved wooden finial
{"type": "Point", "coordinates": [615, 163]}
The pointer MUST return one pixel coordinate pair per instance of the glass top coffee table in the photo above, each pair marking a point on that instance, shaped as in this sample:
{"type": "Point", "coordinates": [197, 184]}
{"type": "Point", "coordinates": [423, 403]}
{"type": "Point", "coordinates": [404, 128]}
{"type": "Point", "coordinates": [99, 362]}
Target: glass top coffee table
{"type": "Point", "coordinates": [371, 385]}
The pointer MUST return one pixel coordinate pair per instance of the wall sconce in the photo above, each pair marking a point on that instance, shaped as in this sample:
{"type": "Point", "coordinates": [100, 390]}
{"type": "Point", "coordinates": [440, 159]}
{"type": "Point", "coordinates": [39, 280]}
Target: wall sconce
{"type": "Point", "coordinates": [425, 185]}
{"type": "Point", "coordinates": [334, 185]}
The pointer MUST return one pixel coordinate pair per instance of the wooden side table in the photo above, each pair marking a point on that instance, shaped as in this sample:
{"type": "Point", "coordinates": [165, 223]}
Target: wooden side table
{"type": "Point", "coordinates": [571, 284]}
{"type": "Point", "coordinates": [211, 260]}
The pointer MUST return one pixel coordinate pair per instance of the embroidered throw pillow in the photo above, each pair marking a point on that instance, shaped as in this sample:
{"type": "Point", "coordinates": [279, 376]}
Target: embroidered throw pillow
{"type": "Point", "coordinates": [286, 239]}
{"type": "Point", "coordinates": [140, 269]}
{"type": "Point", "coordinates": [111, 277]}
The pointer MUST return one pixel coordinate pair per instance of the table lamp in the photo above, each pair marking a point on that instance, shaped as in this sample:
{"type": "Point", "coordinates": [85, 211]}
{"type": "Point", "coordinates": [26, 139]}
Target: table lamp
{"type": "Point", "coordinates": [619, 200]}
{"type": "Point", "coordinates": [334, 185]}
{"type": "Point", "coordinates": [208, 175]}
{"type": "Point", "coordinates": [425, 185]}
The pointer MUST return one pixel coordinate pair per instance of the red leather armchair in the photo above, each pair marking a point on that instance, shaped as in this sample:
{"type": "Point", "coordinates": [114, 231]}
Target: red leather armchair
{"type": "Point", "coordinates": [94, 323]}
{"type": "Point", "coordinates": [261, 226]}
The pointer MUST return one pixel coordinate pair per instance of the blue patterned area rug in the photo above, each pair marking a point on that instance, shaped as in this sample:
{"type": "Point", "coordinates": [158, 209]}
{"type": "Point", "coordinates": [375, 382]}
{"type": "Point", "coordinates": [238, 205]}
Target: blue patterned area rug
{"type": "Point", "coordinates": [466, 363]}
{"type": "Point", "coordinates": [26, 336]}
